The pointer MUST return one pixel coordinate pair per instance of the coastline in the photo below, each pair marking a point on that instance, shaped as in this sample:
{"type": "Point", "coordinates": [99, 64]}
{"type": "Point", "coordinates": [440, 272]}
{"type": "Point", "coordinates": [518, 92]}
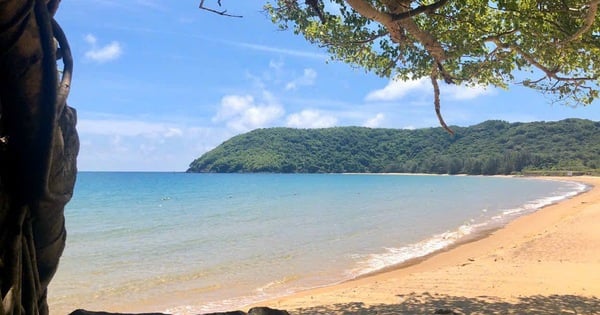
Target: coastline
{"type": "Point", "coordinates": [545, 262]}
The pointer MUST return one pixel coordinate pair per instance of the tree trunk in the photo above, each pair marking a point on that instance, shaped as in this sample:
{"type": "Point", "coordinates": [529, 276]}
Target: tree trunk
{"type": "Point", "coordinates": [38, 149]}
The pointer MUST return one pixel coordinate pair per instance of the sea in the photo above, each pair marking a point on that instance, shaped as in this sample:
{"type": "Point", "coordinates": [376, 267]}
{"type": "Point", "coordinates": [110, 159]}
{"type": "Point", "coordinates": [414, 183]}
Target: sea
{"type": "Point", "coordinates": [194, 243]}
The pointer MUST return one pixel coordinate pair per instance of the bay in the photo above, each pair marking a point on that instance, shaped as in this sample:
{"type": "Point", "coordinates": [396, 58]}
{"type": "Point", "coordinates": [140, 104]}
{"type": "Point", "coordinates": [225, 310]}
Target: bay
{"type": "Point", "coordinates": [192, 243]}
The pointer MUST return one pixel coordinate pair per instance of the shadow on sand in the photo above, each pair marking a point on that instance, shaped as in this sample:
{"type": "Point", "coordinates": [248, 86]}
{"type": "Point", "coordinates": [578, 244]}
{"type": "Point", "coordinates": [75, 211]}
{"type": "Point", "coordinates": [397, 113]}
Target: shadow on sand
{"type": "Point", "coordinates": [444, 304]}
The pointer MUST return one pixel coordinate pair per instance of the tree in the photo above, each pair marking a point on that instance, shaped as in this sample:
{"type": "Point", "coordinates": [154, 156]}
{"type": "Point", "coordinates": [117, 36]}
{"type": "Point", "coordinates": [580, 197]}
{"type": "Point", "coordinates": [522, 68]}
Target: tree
{"type": "Point", "coordinates": [547, 45]}
{"type": "Point", "coordinates": [38, 149]}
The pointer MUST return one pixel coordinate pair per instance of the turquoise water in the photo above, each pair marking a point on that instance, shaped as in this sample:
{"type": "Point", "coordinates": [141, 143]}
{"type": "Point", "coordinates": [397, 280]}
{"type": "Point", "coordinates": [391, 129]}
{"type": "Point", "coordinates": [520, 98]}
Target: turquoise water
{"type": "Point", "coordinates": [192, 243]}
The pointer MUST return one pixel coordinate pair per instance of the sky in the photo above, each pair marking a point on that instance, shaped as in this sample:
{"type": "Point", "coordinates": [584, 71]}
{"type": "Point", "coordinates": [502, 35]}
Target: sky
{"type": "Point", "coordinates": [157, 83]}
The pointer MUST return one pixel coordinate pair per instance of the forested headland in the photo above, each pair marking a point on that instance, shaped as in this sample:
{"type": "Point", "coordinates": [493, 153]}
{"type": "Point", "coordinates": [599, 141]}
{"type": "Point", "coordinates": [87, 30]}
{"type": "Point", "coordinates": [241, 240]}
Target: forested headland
{"type": "Point", "coordinates": [489, 148]}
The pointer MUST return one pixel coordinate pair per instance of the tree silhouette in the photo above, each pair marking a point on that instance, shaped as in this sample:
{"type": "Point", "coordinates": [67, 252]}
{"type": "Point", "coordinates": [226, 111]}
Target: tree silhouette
{"type": "Point", "coordinates": [38, 150]}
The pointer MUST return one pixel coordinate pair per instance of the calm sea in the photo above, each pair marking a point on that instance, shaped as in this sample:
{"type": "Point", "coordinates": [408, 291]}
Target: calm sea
{"type": "Point", "coordinates": [193, 243]}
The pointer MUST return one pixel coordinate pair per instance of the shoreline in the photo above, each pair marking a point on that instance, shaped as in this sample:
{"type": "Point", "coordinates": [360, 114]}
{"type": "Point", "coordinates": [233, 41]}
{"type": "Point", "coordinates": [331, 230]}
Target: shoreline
{"type": "Point", "coordinates": [553, 252]}
{"type": "Point", "coordinates": [477, 236]}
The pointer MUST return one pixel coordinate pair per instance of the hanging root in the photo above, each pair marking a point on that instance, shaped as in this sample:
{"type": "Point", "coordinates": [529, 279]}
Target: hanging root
{"type": "Point", "coordinates": [65, 82]}
{"type": "Point", "coordinates": [436, 100]}
{"type": "Point", "coordinates": [38, 146]}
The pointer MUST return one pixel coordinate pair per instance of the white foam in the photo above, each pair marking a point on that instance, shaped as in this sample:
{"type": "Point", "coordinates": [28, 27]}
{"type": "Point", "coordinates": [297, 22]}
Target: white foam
{"type": "Point", "coordinates": [276, 284]}
{"type": "Point", "coordinates": [395, 256]}
{"type": "Point", "coordinates": [210, 307]}
{"type": "Point", "coordinates": [261, 294]}
{"type": "Point", "coordinates": [543, 202]}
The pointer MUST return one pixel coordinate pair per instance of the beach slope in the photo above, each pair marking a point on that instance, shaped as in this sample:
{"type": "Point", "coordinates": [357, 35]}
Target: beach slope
{"type": "Point", "coordinates": [547, 262]}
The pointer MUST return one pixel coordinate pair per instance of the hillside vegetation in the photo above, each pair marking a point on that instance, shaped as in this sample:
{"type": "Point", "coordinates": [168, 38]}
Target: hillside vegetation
{"type": "Point", "coordinates": [492, 147]}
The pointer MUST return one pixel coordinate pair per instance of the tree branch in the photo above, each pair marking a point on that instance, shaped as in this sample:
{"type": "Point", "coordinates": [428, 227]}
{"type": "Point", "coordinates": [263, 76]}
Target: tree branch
{"type": "Point", "coordinates": [431, 45]}
{"type": "Point", "coordinates": [369, 39]}
{"type": "Point", "coordinates": [365, 9]}
{"type": "Point", "coordinates": [392, 64]}
{"type": "Point", "coordinates": [427, 9]}
{"type": "Point", "coordinates": [314, 4]}
{"type": "Point", "coordinates": [587, 24]}
{"type": "Point", "coordinates": [550, 73]}
{"type": "Point", "coordinates": [224, 12]}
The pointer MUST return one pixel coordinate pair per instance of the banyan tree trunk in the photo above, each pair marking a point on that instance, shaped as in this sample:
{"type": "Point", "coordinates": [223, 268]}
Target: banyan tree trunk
{"type": "Point", "coordinates": [38, 149]}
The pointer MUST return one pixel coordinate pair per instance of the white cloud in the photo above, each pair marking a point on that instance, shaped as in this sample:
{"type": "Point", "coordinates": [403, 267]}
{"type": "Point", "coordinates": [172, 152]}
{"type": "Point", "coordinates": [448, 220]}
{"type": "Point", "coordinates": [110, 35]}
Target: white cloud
{"type": "Point", "coordinates": [284, 51]}
{"type": "Point", "coordinates": [147, 149]}
{"type": "Point", "coordinates": [131, 144]}
{"type": "Point", "coordinates": [90, 39]}
{"type": "Point", "coordinates": [151, 4]}
{"type": "Point", "coordinates": [127, 128]}
{"type": "Point", "coordinates": [375, 121]}
{"type": "Point", "coordinates": [117, 144]}
{"type": "Point", "coordinates": [308, 78]}
{"type": "Point", "coordinates": [232, 105]}
{"type": "Point", "coordinates": [256, 117]}
{"type": "Point", "coordinates": [461, 92]}
{"type": "Point", "coordinates": [309, 118]}
{"type": "Point", "coordinates": [173, 132]}
{"type": "Point", "coordinates": [105, 53]}
{"type": "Point", "coordinates": [276, 65]}
{"type": "Point", "coordinates": [398, 89]}
{"type": "Point", "coordinates": [241, 113]}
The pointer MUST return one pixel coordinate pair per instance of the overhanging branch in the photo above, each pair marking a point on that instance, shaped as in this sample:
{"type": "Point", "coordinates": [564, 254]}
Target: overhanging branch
{"type": "Point", "coordinates": [427, 9]}
{"type": "Point", "coordinates": [223, 12]}
{"type": "Point", "coordinates": [587, 23]}
{"type": "Point", "coordinates": [549, 72]}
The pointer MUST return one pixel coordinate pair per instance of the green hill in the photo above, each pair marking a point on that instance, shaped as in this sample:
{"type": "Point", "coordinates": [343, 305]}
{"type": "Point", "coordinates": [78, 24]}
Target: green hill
{"type": "Point", "coordinates": [492, 147]}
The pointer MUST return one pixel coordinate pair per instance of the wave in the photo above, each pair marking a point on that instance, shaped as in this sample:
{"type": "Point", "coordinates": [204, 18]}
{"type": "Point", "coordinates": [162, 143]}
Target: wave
{"type": "Point", "coordinates": [271, 289]}
{"type": "Point", "coordinates": [396, 256]}
{"type": "Point", "coordinates": [276, 284]}
{"type": "Point", "coordinates": [393, 256]}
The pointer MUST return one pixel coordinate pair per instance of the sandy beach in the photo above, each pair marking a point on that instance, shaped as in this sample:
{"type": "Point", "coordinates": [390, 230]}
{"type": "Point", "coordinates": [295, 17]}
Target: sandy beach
{"type": "Point", "coordinates": [547, 262]}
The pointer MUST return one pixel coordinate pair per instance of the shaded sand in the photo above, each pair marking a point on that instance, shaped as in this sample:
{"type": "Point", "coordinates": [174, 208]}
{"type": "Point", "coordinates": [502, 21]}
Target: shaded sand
{"type": "Point", "coordinates": [547, 262]}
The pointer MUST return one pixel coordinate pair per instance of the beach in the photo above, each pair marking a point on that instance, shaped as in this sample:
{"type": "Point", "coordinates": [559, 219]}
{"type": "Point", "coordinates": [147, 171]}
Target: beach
{"type": "Point", "coordinates": [547, 262]}
{"type": "Point", "coordinates": [138, 242]}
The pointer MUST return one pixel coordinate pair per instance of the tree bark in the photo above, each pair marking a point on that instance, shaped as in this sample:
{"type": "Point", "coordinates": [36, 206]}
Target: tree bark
{"type": "Point", "coordinates": [38, 150]}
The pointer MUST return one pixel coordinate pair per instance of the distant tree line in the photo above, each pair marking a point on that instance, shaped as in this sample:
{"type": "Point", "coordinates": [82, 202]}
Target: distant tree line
{"type": "Point", "coordinates": [489, 148]}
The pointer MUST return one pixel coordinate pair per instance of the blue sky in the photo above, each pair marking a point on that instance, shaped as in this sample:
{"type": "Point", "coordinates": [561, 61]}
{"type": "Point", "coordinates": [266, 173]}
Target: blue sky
{"type": "Point", "coordinates": [157, 83]}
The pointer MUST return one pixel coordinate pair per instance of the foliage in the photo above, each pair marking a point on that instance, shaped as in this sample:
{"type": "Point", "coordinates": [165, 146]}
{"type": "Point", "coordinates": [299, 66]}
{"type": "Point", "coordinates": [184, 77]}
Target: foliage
{"type": "Point", "coordinates": [492, 147]}
{"type": "Point", "coordinates": [551, 46]}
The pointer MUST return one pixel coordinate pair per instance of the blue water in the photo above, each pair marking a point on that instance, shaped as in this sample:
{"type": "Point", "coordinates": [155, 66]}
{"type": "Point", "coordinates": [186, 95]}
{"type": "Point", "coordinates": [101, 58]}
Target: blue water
{"type": "Point", "coordinates": [190, 243]}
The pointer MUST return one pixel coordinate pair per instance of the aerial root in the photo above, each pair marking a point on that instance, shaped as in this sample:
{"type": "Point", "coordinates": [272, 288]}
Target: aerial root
{"type": "Point", "coordinates": [436, 100]}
